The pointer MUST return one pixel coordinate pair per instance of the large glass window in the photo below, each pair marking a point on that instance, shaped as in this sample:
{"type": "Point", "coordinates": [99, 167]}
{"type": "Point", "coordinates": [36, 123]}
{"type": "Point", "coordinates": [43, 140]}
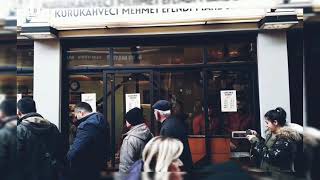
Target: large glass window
{"type": "Point", "coordinates": [185, 91]}
{"type": "Point", "coordinates": [25, 86]}
{"type": "Point", "coordinates": [224, 122]}
{"type": "Point", "coordinates": [8, 88]}
{"type": "Point", "coordinates": [164, 72]}
{"type": "Point", "coordinates": [157, 55]}
{"type": "Point", "coordinates": [25, 57]}
{"type": "Point", "coordinates": [231, 51]}
{"type": "Point", "coordinates": [8, 55]}
{"type": "Point", "coordinates": [84, 57]}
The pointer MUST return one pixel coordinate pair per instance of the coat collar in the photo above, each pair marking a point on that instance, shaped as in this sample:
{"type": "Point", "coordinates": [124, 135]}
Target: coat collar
{"type": "Point", "coordinates": [286, 132]}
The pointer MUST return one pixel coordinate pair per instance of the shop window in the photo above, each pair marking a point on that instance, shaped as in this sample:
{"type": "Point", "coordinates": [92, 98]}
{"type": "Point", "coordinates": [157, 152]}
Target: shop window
{"type": "Point", "coordinates": [159, 55]}
{"type": "Point", "coordinates": [95, 57]}
{"type": "Point", "coordinates": [25, 57]}
{"type": "Point", "coordinates": [184, 91]}
{"type": "Point", "coordinates": [25, 86]}
{"type": "Point", "coordinates": [224, 118]}
{"type": "Point", "coordinates": [231, 51]}
{"type": "Point", "coordinates": [8, 55]}
{"type": "Point", "coordinates": [8, 88]}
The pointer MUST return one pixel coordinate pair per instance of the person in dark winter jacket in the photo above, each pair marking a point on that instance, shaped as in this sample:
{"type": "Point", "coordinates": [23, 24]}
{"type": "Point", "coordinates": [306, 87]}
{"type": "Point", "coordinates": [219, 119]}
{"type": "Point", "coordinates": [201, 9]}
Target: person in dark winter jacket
{"type": "Point", "coordinates": [39, 147]}
{"type": "Point", "coordinates": [88, 154]}
{"type": "Point", "coordinates": [172, 127]}
{"type": "Point", "coordinates": [8, 143]}
{"type": "Point", "coordinates": [277, 152]}
{"type": "Point", "coordinates": [135, 139]}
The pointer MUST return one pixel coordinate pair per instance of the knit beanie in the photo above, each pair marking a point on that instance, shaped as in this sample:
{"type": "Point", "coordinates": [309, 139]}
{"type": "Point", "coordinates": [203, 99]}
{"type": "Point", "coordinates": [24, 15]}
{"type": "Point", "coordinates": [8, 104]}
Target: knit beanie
{"type": "Point", "coordinates": [134, 116]}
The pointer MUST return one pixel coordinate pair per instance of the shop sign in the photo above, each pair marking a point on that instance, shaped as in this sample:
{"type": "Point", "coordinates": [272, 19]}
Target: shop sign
{"type": "Point", "coordinates": [129, 15]}
{"type": "Point", "coordinates": [132, 101]}
{"type": "Point", "coordinates": [228, 101]}
{"type": "Point", "coordinates": [90, 98]}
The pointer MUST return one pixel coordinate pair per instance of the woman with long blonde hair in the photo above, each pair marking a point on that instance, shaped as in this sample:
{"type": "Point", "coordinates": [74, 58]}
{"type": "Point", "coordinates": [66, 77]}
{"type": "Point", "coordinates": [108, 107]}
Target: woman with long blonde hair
{"type": "Point", "coordinates": [161, 154]}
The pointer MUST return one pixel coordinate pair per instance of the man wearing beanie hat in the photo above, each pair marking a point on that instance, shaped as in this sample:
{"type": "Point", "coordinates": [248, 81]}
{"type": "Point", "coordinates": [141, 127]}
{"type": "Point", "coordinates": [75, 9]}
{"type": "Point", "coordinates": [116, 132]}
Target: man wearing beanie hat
{"type": "Point", "coordinates": [173, 127]}
{"type": "Point", "coordinates": [135, 139]}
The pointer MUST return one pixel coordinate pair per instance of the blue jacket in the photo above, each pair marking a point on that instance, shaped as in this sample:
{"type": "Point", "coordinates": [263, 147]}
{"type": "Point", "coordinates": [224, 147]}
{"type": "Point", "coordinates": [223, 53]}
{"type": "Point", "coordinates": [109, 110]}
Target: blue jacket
{"type": "Point", "coordinates": [88, 154]}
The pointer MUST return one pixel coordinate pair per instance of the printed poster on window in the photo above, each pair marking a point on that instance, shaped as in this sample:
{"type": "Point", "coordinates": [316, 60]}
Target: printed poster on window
{"type": "Point", "coordinates": [2, 97]}
{"type": "Point", "coordinates": [132, 101]}
{"type": "Point", "coordinates": [90, 98]}
{"type": "Point", "coordinates": [19, 96]}
{"type": "Point", "coordinates": [228, 101]}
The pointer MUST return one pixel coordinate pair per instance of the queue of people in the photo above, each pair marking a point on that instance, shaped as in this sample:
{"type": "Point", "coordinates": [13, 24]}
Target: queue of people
{"type": "Point", "coordinates": [32, 145]}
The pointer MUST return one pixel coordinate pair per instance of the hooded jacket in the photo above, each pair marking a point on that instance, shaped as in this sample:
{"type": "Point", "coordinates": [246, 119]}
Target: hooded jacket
{"type": "Point", "coordinates": [281, 154]}
{"type": "Point", "coordinates": [88, 154]}
{"type": "Point", "coordinates": [8, 149]}
{"type": "Point", "coordinates": [132, 146]}
{"type": "Point", "coordinates": [39, 148]}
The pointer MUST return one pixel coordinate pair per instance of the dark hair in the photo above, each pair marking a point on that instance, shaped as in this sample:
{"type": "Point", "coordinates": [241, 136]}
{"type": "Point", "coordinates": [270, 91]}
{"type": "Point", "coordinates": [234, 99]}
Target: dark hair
{"type": "Point", "coordinates": [9, 107]}
{"type": "Point", "coordinates": [83, 106]}
{"type": "Point", "coordinates": [26, 105]}
{"type": "Point", "coordinates": [278, 114]}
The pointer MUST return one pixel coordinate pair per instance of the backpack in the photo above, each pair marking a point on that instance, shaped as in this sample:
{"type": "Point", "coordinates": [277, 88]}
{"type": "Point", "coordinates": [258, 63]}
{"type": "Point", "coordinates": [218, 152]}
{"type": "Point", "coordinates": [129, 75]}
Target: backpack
{"type": "Point", "coordinates": [47, 165]}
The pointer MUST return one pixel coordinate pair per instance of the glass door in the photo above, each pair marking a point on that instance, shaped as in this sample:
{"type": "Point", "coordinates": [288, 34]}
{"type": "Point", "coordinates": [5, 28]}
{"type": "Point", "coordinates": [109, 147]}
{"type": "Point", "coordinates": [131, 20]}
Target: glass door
{"type": "Point", "coordinates": [122, 91]}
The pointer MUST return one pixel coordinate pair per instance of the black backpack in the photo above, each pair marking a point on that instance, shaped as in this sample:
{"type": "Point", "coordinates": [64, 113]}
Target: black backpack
{"type": "Point", "coordinates": [47, 164]}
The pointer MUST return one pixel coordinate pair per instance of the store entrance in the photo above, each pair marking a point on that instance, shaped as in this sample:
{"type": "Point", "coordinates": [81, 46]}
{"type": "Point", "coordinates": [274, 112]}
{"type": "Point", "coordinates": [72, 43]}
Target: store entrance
{"type": "Point", "coordinates": [124, 90]}
{"type": "Point", "coordinates": [134, 72]}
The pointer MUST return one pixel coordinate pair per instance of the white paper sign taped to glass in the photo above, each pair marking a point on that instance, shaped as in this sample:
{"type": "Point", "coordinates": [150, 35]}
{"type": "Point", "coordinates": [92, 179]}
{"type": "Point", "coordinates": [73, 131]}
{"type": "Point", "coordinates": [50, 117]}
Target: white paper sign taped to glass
{"type": "Point", "coordinates": [90, 98]}
{"type": "Point", "coordinates": [132, 101]}
{"type": "Point", "coordinates": [228, 101]}
{"type": "Point", "coordinates": [19, 96]}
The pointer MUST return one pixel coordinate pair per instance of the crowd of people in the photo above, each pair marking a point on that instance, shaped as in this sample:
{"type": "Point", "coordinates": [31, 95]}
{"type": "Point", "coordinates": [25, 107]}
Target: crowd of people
{"type": "Point", "coordinates": [31, 146]}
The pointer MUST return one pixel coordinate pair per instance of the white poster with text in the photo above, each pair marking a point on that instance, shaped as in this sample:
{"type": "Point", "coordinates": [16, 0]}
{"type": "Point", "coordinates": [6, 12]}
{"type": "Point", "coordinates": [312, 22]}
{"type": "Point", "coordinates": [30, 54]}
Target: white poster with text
{"type": "Point", "coordinates": [228, 101]}
{"type": "Point", "coordinates": [19, 96]}
{"type": "Point", "coordinates": [90, 98]}
{"type": "Point", "coordinates": [132, 101]}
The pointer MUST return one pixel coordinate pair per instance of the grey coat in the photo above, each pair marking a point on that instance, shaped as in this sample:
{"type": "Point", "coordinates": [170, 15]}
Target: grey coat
{"type": "Point", "coordinates": [132, 146]}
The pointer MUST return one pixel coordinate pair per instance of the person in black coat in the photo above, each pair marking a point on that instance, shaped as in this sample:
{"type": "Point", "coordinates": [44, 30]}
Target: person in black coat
{"type": "Point", "coordinates": [39, 144]}
{"type": "Point", "coordinates": [8, 140]}
{"type": "Point", "coordinates": [88, 154]}
{"type": "Point", "coordinates": [174, 128]}
{"type": "Point", "coordinates": [276, 153]}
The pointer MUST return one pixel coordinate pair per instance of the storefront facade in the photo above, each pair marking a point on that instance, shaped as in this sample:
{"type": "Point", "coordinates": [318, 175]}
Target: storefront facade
{"type": "Point", "coordinates": [192, 65]}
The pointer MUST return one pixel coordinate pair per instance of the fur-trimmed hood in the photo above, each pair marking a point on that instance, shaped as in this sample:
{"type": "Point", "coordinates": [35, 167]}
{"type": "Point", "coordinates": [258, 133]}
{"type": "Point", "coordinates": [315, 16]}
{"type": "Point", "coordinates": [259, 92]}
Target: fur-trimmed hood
{"type": "Point", "coordinates": [287, 132]}
{"type": "Point", "coordinates": [311, 136]}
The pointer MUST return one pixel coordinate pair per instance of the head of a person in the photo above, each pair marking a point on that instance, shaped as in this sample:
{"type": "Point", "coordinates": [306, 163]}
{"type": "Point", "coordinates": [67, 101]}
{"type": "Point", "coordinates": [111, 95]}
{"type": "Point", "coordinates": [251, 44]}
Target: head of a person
{"type": "Point", "coordinates": [81, 110]}
{"type": "Point", "coordinates": [275, 119]}
{"type": "Point", "coordinates": [26, 105]}
{"type": "Point", "coordinates": [210, 109]}
{"type": "Point", "coordinates": [178, 108]}
{"type": "Point", "coordinates": [162, 110]}
{"type": "Point", "coordinates": [8, 108]}
{"type": "Point", "coordinates": [161, 154]}
{"type": "Point", "coordinates": [134, 117]}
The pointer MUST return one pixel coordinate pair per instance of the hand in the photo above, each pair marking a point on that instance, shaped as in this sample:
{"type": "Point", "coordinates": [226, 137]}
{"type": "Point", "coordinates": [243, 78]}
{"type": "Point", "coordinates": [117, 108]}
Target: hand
{"type": "Point", "coordinates": [253, 132]}
{"type": "Point", "coordinates": [251, 138]}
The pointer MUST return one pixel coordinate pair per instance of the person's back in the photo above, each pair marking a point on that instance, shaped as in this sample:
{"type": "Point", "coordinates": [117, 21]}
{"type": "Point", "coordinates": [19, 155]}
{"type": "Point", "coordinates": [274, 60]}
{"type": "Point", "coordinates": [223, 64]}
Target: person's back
{"type": "Point", "coordinates": [39, 147]}
{"type": "Point", "coordinates": [135, 139]}
{"type": "Point", "coordinates": [174, 128]}
{"type": "Point", "coordinates": [88, 153]}
{"type": "Point", "coordinates": [8, 143]}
